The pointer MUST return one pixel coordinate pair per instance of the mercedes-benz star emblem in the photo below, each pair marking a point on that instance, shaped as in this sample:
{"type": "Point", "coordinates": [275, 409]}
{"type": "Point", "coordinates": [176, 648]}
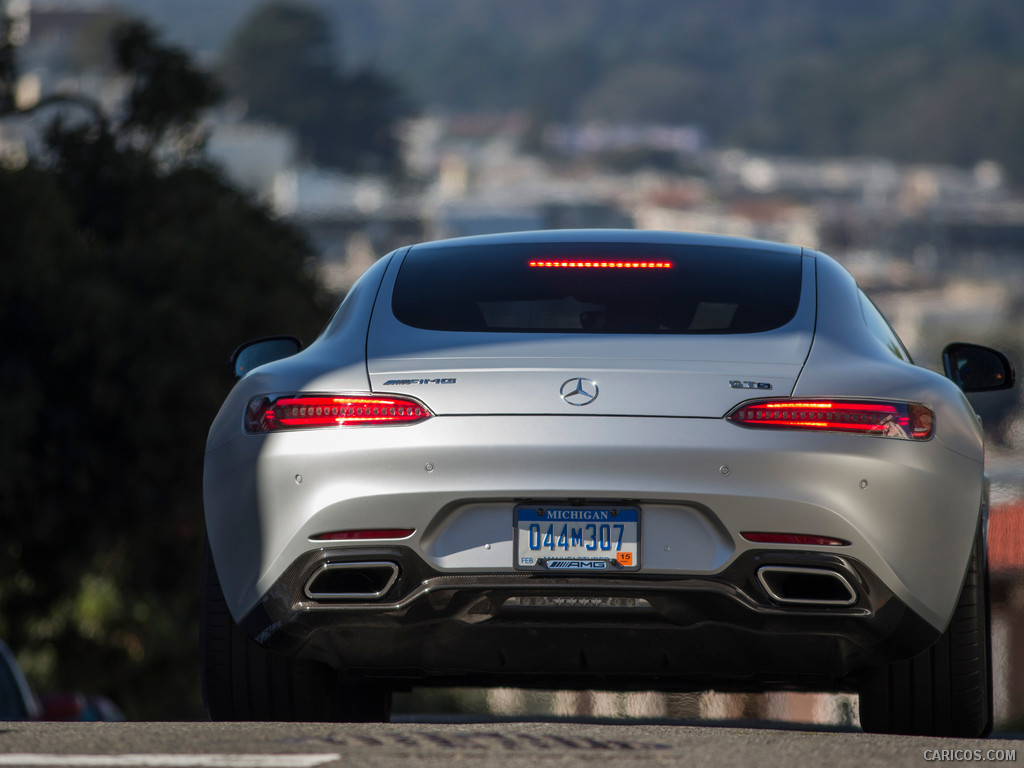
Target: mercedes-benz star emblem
{"type": "Point", "coordinates": [579, 391]}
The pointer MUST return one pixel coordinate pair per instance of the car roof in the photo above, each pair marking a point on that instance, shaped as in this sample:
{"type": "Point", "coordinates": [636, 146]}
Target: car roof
{"type": "Point", "coordinates": [612, 236]}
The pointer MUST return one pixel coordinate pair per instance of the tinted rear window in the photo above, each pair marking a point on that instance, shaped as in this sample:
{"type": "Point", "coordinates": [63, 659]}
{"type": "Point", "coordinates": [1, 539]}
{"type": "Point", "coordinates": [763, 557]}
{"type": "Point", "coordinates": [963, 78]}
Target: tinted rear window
{"type": "Point", "coordinates": [597, 288]}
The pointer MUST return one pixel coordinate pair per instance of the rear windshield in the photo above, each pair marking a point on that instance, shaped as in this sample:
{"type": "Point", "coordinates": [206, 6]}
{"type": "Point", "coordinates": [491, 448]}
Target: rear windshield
{"type": "Point", "coordinates": [597, 288]}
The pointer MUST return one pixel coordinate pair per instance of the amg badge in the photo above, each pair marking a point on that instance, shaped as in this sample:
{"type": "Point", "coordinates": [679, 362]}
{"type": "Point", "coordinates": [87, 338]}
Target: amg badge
{"type": "Point", "coordinates": [587, 565]}
{"type": "Point", "coordinates": [407, 382]}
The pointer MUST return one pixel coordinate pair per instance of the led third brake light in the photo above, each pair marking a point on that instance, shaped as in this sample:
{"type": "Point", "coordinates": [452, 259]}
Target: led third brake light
{"type": "Point", "coordinates": [584, 263]}
{"type": "Point", "coordinates": [907, 421]}
{"type": "Point", "coordinates": [274, 413]}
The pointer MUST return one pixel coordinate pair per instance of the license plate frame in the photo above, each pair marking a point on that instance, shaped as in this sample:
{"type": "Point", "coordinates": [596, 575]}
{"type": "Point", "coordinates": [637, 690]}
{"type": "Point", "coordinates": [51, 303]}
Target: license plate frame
{"type": "Point", "coordinates": [576, 540]}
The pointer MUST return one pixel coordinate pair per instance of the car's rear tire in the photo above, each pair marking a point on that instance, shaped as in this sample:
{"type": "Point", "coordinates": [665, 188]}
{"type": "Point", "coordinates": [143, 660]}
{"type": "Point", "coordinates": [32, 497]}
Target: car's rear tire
{"type": "Point", "coordinates": [947, 690]}
{"type": "Point", "coordinates": [241, 680]}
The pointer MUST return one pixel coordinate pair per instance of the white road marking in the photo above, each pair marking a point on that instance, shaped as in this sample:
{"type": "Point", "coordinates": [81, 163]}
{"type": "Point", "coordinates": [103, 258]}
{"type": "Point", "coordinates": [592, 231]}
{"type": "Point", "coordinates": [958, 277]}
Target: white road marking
{"type": "Point", "coordinates": [31, 760]}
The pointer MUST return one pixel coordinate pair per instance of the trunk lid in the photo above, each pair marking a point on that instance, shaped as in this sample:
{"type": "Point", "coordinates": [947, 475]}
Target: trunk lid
{"type": "Point", "coordinates": [504, 370]}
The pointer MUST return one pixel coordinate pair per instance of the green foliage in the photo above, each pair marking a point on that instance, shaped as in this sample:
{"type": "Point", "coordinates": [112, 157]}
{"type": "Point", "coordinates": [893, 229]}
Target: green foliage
{"type": "Point", "coordinates": [918, 80]}
{"type": "Point", "coordinates": [127, 284]}
{"type": "Point", "coordinates": [168, 92]}
{"type": "Point", "coordinates": [282, 63]}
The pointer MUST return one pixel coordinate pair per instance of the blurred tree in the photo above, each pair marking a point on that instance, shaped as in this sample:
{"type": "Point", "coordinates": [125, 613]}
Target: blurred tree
{"type": "Point", "coordinates": [8, 64]}
{"type": "Point", "coordinates": [282, 63]}
{"type": "Point", "coordinates": [90, 48]}
{"type": "Point", "coordinates": [918, 80]}
{"type": "Point", "coordinates": [167, 94]}
{"type": "Point", "coordinates": [131, 273]}
{"type": "Point", "coordinates": [646, 92]}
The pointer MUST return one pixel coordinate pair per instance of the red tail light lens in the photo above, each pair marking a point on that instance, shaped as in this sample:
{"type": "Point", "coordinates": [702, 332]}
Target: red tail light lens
{"type": "Point", "coordinates": [273, 413]}
{"type": "Point", "coordinates": [793, 538]}
{"type": "Point", "coordinates": [365, 533]}
{"type": "Point", "coordinates": [906, 421]}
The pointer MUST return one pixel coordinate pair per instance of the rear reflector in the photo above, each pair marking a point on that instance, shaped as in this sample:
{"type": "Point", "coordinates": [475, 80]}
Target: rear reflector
{"type": "Point", "coordinates": [273, 413]}
{"type": "Point", "coordinates": [907, 421]}
{"type": "Point", "coordinates": [365, 533]}
{"type": "Point", "coordinates": [600, 264]}
{"type": "Point", "coordinates": [793, 538]}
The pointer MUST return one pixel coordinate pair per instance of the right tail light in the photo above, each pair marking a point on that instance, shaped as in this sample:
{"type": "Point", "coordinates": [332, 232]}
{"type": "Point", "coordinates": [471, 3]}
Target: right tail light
{"type": "Point", "coordinates": [882, 418]}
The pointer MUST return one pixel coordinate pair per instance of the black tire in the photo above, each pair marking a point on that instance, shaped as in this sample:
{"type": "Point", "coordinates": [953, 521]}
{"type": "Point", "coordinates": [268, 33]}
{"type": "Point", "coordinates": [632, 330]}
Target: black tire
{"type": "Point", "coordinates": [947, 690]}
{"type": "Point", "coordinates": [241, 680]}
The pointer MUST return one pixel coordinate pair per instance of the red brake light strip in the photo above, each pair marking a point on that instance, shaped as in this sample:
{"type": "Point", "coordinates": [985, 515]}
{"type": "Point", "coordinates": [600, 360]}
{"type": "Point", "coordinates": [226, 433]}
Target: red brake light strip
{"type": "Point", "coordinates": [793, 538]}
{"type": "Point", "coordinates": [599, 264]}
{"type": "Point", "coordinates": [365, 533]}
{"type": "Point", "coordinates": [272, 414]}
{"type": "Point", "coordinates": [908, 421]}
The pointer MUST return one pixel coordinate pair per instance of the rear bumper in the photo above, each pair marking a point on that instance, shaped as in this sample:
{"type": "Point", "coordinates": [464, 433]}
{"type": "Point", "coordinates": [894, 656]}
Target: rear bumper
{"type": "Point", "coordinates": [909, 510]}
{"type": "Point", "coordinates": [641, 632]}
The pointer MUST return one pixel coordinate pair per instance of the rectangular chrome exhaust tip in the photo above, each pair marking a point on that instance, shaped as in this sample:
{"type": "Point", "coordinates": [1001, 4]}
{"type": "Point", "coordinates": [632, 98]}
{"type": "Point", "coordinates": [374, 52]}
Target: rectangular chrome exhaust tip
{"type": "Point", "coordinates": [791, 585]}
{"type": "Point", "coordinates": [351, 581]}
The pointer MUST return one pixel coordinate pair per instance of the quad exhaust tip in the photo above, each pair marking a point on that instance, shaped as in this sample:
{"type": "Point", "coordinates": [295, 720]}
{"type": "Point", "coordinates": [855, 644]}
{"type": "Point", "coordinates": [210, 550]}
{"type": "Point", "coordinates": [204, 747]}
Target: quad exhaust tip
{"type": "Point", "coordinates": [791, 585]}
{"type": "Point", "coordinates": [351, 581]}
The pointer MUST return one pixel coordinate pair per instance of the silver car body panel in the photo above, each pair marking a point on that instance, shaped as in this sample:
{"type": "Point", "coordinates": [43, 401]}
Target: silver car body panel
{"type": "Point", "coordinates": [655, 436]}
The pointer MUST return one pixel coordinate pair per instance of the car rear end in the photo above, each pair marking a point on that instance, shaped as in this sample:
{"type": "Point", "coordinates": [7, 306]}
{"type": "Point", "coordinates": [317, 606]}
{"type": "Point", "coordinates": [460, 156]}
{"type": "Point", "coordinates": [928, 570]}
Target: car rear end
{"type": "Point", "coordinates": [586, 459]}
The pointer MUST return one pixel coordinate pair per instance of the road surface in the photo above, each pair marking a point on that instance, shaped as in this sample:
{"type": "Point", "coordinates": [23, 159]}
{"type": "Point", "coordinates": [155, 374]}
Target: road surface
{"type": "Point", "coordinates": [477, 743]}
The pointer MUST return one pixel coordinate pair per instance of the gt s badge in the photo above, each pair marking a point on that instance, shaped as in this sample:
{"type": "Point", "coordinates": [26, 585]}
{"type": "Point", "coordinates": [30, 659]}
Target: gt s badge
{"type": "Point", "coordinates": [736, 384]}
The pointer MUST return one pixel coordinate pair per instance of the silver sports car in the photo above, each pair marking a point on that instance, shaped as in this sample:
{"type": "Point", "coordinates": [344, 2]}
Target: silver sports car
{"type": "Point", "coordinates": [600, 459]}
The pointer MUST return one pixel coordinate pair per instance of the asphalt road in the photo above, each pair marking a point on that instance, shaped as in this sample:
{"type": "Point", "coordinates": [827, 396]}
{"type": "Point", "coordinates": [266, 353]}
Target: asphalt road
{"type": "Point", "coordinates": [480, 744]}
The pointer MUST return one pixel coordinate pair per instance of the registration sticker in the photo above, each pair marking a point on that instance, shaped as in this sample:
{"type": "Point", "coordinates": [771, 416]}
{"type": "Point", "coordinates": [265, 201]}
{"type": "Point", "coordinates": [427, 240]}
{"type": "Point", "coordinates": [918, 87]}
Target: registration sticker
{"type": "Point", "coordinates": [589, 539]}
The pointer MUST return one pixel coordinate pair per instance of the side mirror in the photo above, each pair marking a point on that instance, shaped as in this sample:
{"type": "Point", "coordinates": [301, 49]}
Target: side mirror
{"type": "Point", "coordinates": [975, 368]}
{"type": "Point", "coordinates": [259, 351]}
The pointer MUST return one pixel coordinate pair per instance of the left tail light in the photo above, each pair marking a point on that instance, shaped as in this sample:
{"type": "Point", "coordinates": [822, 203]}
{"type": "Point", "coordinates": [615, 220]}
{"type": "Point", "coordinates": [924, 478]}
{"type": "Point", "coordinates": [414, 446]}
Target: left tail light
{"type": "Point", "coordinates": [907, 421]}
{"type": "Point", "coordinates": [274, 413]}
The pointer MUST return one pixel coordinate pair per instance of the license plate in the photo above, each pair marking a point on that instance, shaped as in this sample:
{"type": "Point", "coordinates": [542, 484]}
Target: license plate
{"type": "Point", "coordinates": [594, 539]}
